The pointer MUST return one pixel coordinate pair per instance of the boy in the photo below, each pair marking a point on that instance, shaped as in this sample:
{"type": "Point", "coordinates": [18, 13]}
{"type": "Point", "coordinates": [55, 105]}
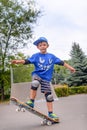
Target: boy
{"type": "Point", "coordinates": [44, 64]}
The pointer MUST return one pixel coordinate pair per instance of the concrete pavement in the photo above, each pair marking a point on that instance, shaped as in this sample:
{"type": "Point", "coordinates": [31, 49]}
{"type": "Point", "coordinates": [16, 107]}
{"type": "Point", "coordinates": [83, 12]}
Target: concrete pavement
{"type": "Point", "coordinates": [71, 110]}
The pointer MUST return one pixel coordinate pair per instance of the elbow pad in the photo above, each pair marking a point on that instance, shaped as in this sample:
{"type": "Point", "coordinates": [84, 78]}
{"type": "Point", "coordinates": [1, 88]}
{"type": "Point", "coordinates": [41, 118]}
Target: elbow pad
{"type": "Point", "coordinates": [27, 62]}
{"type": "Point", "coordinates": [61, 63]}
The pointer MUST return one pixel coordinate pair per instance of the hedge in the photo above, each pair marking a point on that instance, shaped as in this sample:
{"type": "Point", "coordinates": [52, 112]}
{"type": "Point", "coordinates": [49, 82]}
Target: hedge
{"type": "Point", "coordinates": [62, 91]}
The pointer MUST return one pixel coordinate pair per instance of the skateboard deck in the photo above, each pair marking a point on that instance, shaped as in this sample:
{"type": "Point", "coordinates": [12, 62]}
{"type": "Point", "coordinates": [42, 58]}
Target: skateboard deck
{"type": "Point", "coordinates": [46, 120]}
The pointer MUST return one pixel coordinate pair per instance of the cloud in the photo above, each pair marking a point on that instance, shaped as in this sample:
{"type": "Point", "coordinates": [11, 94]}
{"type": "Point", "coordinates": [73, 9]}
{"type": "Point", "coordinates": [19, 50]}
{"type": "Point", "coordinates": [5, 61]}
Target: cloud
{"type": "Point", "coordinates": [62, 23]}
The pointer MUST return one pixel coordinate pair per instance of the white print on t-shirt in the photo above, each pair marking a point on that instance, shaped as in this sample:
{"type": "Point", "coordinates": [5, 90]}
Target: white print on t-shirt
{"type": "Point", "coordinates": [44, 66]}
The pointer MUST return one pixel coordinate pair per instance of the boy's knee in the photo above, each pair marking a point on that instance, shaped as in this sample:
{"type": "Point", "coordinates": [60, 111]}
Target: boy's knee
{"type": "Point", "coordinates": [35, 84]}
{"type": "Point", "coordinates": [49, 97]}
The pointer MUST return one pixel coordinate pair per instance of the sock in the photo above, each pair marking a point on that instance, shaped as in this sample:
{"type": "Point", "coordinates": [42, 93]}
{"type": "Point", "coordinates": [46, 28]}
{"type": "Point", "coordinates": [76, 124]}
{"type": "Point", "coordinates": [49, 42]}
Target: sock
{"type": "Point", "coordinates": [32, 100]}
{"type": "Point", "coordinates": [50, 112]}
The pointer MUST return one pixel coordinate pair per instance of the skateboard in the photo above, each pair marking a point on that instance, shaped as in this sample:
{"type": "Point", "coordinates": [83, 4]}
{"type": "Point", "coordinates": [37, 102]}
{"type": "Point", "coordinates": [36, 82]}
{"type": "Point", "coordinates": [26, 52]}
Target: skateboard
{"type": "Point", "coordinates": [23, 106]}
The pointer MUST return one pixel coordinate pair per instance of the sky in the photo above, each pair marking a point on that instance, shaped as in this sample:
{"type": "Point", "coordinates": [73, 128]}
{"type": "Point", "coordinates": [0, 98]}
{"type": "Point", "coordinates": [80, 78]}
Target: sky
{"type": "Point", "coordinates": [63, 22]}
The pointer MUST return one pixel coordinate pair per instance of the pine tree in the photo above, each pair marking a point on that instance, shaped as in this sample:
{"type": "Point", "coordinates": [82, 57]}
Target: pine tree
{"type": "Point", "coordinates": [79, 62]}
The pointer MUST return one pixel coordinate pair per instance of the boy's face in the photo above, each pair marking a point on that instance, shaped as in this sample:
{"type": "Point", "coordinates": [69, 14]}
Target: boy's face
{"type": "Point", "coordinates": [43, 47]}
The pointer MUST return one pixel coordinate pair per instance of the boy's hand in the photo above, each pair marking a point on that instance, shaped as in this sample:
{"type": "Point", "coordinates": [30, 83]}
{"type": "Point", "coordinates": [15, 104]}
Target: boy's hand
{"type": "Point", "coordinates": [70, 67]}
{"type": "Point", "coordinates": [18, 61]}
{"type": "Point", "coordinates": [72, 70]}
{"type": "Point", "coordinates": [14, 62]}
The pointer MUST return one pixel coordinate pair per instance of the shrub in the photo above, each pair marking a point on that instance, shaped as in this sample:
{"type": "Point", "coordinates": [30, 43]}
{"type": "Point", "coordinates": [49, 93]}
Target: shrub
{"type": "Point", "coordinates": [64, 90]}
{"type": "Point", "coordinates": [61, 91]}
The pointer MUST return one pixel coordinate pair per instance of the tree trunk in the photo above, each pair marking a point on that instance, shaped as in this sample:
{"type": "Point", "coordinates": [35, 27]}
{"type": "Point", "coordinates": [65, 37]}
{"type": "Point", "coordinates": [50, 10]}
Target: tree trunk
{"type": "Point", "coordinates": [2, 90]}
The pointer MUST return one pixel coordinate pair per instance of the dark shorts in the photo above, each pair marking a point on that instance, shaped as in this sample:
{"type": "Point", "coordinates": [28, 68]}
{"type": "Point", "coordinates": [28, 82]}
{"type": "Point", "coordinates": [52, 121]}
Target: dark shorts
{"type": "Point", "coordinates": [45, 85]}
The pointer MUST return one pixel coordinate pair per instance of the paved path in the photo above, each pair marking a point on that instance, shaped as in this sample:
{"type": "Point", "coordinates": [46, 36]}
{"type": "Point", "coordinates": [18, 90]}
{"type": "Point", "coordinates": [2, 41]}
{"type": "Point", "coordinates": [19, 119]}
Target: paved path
{"type": "Point", "coordinates": [72, 111]}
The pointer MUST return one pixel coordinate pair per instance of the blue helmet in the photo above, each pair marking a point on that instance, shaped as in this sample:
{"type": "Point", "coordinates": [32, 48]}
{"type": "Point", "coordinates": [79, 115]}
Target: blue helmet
{"type": "Point", "coordinates": [41, 39]}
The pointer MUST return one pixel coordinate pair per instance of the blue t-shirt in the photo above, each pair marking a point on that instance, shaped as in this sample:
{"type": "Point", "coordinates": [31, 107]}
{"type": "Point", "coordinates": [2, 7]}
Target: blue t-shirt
{"type": "Point", "coordinates": [44, 64]}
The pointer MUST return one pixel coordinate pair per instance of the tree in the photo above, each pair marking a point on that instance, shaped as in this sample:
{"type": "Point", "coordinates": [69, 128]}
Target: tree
{"type": "Point", "coordinates": [16, 27]}
{"type": "Point", "coordinates": [59, 74]}
{"type": "Point", "coordinates": [20, 72]}
{"type": "Point", "coordinates": [79, 62]}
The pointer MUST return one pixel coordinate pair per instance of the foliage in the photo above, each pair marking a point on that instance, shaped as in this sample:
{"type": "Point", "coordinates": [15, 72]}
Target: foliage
{"type": "Point", "coordinates": [16, 26]}
{"type": "Point", "coordinates": [22, 73]}
{"type": "Point", "coordinates": [59, 74]}
{"type": "Point", "coordinates": [79, 62]}
{"type": "Point", "coordinates": [62, 91]}
{"type": "Point", "coordinates": [17, 20]}
{"type": "Point", "coordinates": [5, 77]}
{"type": "Point", "coordinates": [77, 90]}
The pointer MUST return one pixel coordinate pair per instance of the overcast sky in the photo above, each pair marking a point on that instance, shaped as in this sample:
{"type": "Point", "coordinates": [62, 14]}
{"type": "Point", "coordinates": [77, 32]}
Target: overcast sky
{"type": "Point", "coordinates": [63, 22]}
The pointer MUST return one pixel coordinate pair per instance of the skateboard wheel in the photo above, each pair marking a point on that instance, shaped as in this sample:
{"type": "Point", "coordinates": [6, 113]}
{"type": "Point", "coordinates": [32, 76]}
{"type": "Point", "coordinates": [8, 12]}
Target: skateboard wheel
{"type": "Point", "coordinates": [49, 123]}
{"type": "Point", "coordinates": [23, 109]}
{"type": "Point", "coordinates": [18, 109]}
{"type": "Point", "coordinates": [44, 122]}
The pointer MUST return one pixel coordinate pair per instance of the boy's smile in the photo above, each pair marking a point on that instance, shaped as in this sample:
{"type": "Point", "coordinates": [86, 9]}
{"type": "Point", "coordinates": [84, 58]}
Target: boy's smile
{"type": "Point", "coordinates": [43, 47]}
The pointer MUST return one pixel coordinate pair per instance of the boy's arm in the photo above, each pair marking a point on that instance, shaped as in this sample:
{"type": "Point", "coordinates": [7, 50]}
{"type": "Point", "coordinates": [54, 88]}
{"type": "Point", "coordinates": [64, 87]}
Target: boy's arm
{"type": "Point", "coordinates": [69, 67]}
{"type": "Point", "coordinates": [18, 61]}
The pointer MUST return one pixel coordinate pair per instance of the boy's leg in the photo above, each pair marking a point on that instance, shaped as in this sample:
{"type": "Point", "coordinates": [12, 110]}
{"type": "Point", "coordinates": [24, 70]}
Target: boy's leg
{"type": "Point", "coordinates": [46, 89]}
{"type": "Point", "coordinates": [50, 106]}
{"type": "Point", "coordinates": [49, 99]}
{"type": "Point", "coordinates": [33, 93]}
{"type": "Point", "coordinates": [34, 86]}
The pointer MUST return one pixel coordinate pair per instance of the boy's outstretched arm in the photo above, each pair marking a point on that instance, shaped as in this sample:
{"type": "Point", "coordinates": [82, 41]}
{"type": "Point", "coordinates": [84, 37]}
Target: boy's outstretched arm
{"type": "Point", "coordinates": [18, 61]}
{"type": "Point", "coordinates": [69, 67]}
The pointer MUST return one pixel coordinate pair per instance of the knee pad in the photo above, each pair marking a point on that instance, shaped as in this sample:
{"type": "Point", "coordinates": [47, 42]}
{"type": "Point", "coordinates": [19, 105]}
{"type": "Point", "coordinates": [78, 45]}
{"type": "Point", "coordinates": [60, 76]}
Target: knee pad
{"type": "Point", "coordinates": [49, 97]}
{"type": "Point", "coordinates": [35, 84]}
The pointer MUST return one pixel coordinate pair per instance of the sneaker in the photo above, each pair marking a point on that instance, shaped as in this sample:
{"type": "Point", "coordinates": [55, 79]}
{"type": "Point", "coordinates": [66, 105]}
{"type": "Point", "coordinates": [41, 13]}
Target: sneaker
{"type": "Point", "coordinates": [52, 115]}
{"type": "Point", "coordinates": [30, 103]}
